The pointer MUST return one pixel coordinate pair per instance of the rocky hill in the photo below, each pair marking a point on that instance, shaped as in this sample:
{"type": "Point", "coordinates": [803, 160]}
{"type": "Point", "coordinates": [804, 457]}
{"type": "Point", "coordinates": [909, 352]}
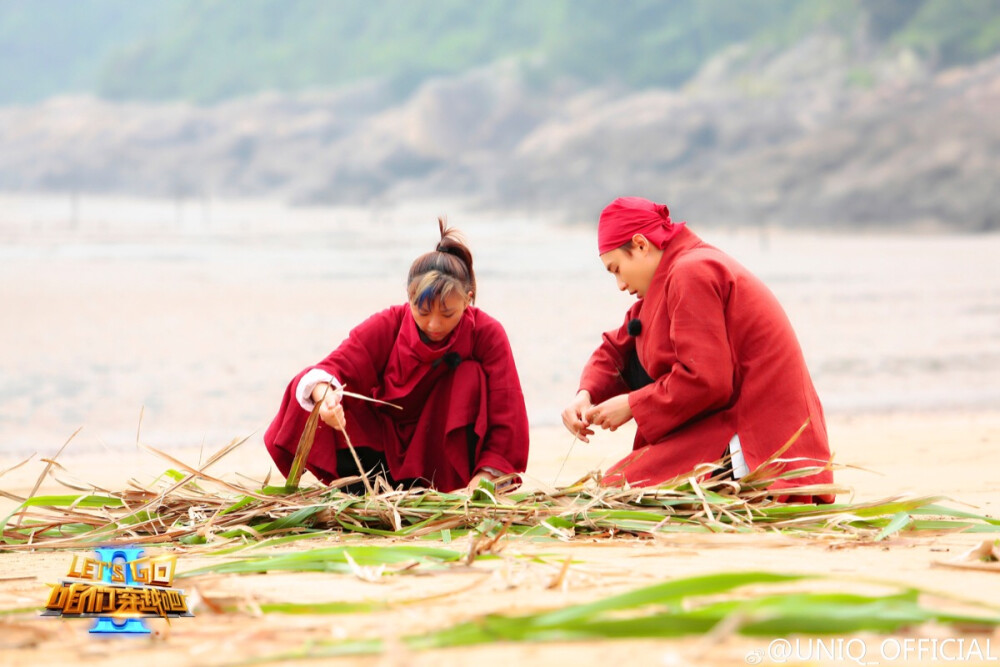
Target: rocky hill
{"type": "Point", "coordinates": [807, 135]}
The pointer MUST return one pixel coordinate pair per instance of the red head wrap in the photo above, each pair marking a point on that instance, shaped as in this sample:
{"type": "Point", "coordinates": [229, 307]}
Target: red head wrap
{"type": "Point", "coordinates": [627, 216]}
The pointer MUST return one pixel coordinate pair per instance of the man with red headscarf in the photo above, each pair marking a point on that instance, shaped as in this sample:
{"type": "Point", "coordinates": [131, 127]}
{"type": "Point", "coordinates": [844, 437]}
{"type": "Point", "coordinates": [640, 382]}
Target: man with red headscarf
{"type": "Point", "coordinates": [706, 361]}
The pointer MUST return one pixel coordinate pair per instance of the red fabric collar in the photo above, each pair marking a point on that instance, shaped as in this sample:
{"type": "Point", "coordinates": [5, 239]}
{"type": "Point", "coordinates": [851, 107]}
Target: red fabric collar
{"type": "Point", "coordinates": [412, 359]}
{"type": "Point", "coordinates": [686, 239]}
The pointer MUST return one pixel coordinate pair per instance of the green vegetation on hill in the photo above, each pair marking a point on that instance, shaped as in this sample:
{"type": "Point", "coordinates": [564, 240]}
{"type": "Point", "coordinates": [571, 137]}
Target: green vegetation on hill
{"type": "Point", "coordinates": [223, 49]}
{"type": "Point", "coordinates": [208, 50]}
{"type": "Point", "coordinates": [52, 47]}
{"type": "Point", "coordinates": [954, 31]}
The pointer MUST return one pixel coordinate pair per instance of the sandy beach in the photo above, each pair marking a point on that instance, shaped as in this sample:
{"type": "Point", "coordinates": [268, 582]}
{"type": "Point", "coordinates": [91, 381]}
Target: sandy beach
{"type": "Point", "coordinates": [178, 324]}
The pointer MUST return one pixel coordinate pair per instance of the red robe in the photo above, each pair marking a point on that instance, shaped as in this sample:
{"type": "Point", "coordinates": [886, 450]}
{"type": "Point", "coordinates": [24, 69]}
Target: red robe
{"type": "Point", "coordinates": [467, 381]}
{"type": "Point", "coordinates": [723, 359]}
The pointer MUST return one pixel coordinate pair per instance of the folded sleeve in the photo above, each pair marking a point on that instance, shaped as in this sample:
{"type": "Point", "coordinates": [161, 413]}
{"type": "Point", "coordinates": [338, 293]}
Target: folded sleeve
{"type": "Point", "coordinates": [308, 382]}
{"type": "Point", "coordinates": [360, 360]}
{"type": "Point", "coordinates": [358, 363]}
{"type": "Point", "coordinates": [700, 381]}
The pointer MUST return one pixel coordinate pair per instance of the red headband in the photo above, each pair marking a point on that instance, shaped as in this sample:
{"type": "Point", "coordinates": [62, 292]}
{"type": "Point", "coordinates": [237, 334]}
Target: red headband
{"type": "Point", "coordinates": [627, 216]}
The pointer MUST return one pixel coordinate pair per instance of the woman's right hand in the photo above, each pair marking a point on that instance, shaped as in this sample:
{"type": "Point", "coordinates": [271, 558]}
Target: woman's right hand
{"type": "Point", "coordinates": [574, 416]}
{"type": "Point", "coordinates": [331, 410]}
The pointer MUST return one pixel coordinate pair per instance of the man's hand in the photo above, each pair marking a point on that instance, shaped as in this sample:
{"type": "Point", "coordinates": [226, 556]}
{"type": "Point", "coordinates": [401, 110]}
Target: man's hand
{"type": "Point", "coordinates": [474, 482]}
{"type": "Point", "coordinates": [610, 414]}
{"type": "Point", "coordinates": [330, 411]}
{"type": "Point", "coordinates": [574, 416]}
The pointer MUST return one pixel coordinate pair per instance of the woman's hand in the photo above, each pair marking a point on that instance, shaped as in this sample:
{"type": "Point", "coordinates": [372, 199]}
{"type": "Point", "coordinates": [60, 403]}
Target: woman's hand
{"type": "Point", "coordinates": [610, 414]}
{"type": "Point", "coordinates": [574, 416]}
{"type": "Point", "coordinates": [331, 411]}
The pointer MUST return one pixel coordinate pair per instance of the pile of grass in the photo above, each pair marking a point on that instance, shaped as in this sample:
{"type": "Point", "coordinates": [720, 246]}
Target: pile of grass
{"type": "Point", "coordinates": [189, 506]}
{"type": "Point", "coordinates": [188, 509]}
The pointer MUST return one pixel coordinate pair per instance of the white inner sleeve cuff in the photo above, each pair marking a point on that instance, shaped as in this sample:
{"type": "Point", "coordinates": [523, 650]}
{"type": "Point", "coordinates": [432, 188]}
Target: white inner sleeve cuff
{"type": "Point", "coordinates": [740, 468]}
{"type": "Point", "coordinates": [492, 471]}
{"type": "Point", "coordinates": [303, 393]}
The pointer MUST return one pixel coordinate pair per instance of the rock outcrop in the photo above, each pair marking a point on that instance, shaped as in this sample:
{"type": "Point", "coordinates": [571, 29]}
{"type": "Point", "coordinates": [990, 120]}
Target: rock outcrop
{"type": "Point", "coordinates": [803, 137]}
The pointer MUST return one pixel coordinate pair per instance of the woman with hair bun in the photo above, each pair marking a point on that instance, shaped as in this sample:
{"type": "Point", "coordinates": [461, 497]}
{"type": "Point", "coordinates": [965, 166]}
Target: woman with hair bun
{"type": "Point", "coordinates": [444, 362]}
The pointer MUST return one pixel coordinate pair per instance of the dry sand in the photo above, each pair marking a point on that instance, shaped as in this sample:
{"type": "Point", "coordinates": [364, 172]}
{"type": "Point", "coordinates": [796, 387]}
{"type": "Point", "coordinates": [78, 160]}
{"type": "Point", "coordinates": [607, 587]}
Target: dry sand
{"type": "Point", "coordinates": [200, 329]}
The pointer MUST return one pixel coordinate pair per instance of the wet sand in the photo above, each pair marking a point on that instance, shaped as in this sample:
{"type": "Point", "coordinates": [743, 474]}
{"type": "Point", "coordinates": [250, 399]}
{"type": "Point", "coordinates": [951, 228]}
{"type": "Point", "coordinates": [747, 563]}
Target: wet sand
{"type": "Point", "coordinates": [195, 318]}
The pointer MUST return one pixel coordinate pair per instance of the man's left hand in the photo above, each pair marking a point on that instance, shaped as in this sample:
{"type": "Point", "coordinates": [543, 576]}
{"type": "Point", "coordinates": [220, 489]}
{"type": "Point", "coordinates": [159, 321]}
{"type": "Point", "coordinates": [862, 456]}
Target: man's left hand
{"type": "Point", "coordinates": [610, 414]}
{"type": "Point", "coordinates": [474, 482]}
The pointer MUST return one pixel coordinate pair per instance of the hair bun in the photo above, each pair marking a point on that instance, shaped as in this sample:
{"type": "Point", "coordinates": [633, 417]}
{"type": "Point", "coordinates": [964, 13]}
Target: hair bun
{"type": "Point", "coordinates": [451, 257]}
